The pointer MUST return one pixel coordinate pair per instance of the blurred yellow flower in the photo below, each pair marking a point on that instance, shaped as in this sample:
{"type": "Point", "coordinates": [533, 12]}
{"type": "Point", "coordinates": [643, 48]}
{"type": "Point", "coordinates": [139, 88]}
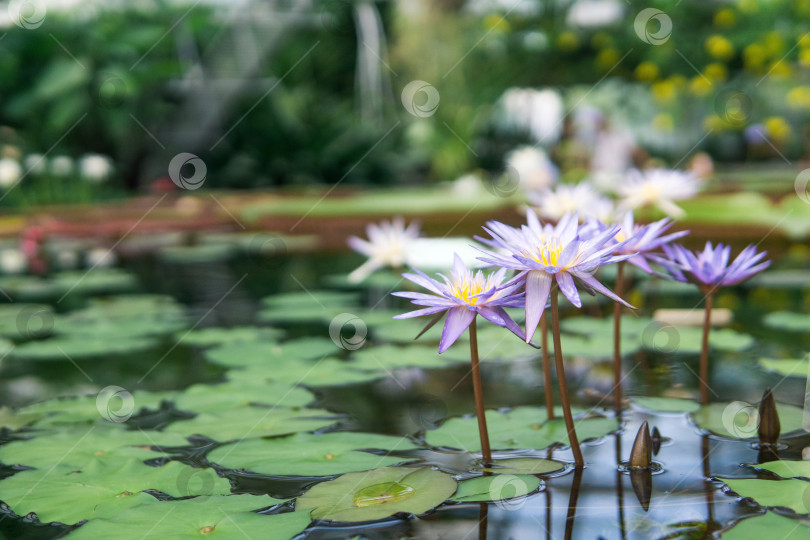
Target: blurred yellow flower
{"type": "Point", "coordinates": [663, 122]}
{"type": "Point", "coordinates": [780, 68]}
{"type": "Point", "coordinates": [679, 81]}
{"type": "Point", "coordinates": [719, 47]}
{"type": "Point", "coordinates": [714, 123]}
{"type": "Point", "coordinates": [567, 41]}
{"type": "Point", "coordinates": [601, 39]}
{"type": "Point", "coordinates": [799, 97]}
{"type": "Point", "coordinates": [754, 56]}
{"type": "Point", "coordinates": [725, 18]}
{"type": "Point", "coordinates": [716, 72]}
{"type": "Point", "coordinates": [646, 71]}
{"type": "Point", "coordinates": [804, 41]}
{"type": "Point", "coordinates": [607, 58]}
{"type": "Point", "coordinates": [748, 6]}
{"type": "Point", "coordinates": [493, 21]}
{"type": "Point", "coordinates": [804, 57]}
{"type": "Point", "coordinates": [777, 127]}
{"type": "Point", "coordinates": [701, 86]}
{"type": "Point", "coordinates": [664, 91]}
{"type": "Point", "coordinates": [774, 43]}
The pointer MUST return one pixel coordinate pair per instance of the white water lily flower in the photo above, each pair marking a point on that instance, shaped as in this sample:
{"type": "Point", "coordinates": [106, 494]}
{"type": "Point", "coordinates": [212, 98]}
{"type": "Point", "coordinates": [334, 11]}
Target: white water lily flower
{"type": "Point", "coordinates": [10, 172]}
{"type": "Point", "coordinates": [61, 166]}
{"type": "Point", "coordinates": [12, 261]}
{"type": "Point", "coordinates": [581, 199]}
{"type": "Point", "coordinates": [95, 168]}
{"type": "Point", "coordinates": [387, 245]}
{"type": "Point", "coordinates": [35, 164]}
{"type": "Point", "coordinates": [658, 187]}
{"type": "Point", "coordinates": [100, 258]}
{"type": "Point", "coordinates": [534, 169]}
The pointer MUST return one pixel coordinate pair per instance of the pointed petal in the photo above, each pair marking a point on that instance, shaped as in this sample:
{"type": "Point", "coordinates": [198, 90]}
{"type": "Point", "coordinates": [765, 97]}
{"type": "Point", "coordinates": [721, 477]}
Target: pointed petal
{"type": "Point", "coordinates": [568, 288]}
{"type": "Point", "coordinates": [458, 319]}
{"type": "Point", "coordinates": [538, 287]}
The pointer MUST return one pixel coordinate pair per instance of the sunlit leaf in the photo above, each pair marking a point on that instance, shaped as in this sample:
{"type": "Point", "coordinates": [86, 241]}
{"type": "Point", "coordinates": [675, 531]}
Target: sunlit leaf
{"type": "Point", "coordinates": [739, 420]}
{"type": "Point", "coordinates": [525, 466]}
{"type": "Point", "coordinates": [216, 397]}
{"type": "Point", "coordinates": [768, 525]}
{"type": "Point", "coordinates": [496, 488]}
{"type": "Point", "coordinates": [787, 469]}
{"type": "Point", "coordinates": [791, 494]}
{"type": "Point", "coordinates": [667, 405]}
{"type": "Point", "coordinates": [252, 353]}
{"type": "Point", "coordinates": [787, 320]}
{"type": "Point", "coordinates": [793, 367]}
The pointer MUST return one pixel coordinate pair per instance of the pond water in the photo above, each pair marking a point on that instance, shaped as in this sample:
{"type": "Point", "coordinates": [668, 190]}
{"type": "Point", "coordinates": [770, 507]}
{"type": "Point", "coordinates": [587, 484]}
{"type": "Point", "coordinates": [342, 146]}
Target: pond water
{"type": "Point", "coordinates": [367, 376]}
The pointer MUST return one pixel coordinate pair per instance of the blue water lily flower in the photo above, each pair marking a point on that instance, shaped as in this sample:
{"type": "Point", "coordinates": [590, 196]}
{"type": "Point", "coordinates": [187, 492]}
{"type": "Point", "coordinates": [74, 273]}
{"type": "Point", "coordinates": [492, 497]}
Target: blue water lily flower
{"type": "Point", "coordinates": [711, 267]}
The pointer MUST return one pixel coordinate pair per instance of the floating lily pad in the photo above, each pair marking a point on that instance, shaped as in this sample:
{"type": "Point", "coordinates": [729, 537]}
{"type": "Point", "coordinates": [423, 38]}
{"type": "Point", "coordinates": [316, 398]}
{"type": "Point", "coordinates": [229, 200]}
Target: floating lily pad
{"type": "Point", "coordinates": [768, 525]}
{"type": "Point", "coordinates": [251, 353]}
{"type": "Point", "coordinates": [787, 320]}
{"type": "Point", "coordinates": [125, 316]}
{"type": "Point", "coordinates": [61, 493]}
{"type": "Point", "coordinates": [216, 397]}
{"type": "Point", "coordinates": [78, 447]}
{"type": "Point", "coordinates": [326, 372]}
{"type": "Point", "coordinates": [305, 454]}
{"type": "Point", "coordinates": [525, 466]}
{"type": "Point", "coordinates": [25, 321]}
{"type": "Point", "coordinates": [199, 254]}
{"type": "Point", "coordinates": [84, 346]}
{"type": "Point", "coordinates": [523, 427]}
{"type": "Point", "coordinates": [249, 422]}
{"type": "Point", "coordinates": [688, 340]}
{"type": "Point", "coordinates": [383, 279]}
{"type": "Point", "coordinates": [85, 409]}
{"type": "Point", "coordinates": [405, 330]}
{"type": "Point", "coordinates": [319, 298]}
{"type": "Point", "coordinates": [787, 469]}
{"type": "Point", "coordinates": [216, 516]}
{"type": "Point", "coordinates": [11, 419]}
{"type": "Point", "coordinates": [603, 327]}
{"type": "Point", "coordinates": [667, 405]}
{"type": "Point", "coordinates": [793, 367]}
{"type": "Point", "coordinates": [392, 357]}
{"type": "Point", "coordinates": [210, 337]}
{"type": "Point", "coordinates": [378, 494]}
{"type": "Point", "coordinates": [739, 420]}
{"type": "Point", "coordinates": [791, 494]}
{"type": "Point", "coordinates": [496, 488]}
{"type": "Point", "coordinates": [95, 281]}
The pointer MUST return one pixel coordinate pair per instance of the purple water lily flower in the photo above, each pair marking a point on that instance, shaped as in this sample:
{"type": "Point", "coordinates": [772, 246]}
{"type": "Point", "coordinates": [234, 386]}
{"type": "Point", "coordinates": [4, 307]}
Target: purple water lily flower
{"type": "Point", "coordinates": [710, 267]}
{"type": "Point", "coordinates": [638, 240]}
{"type": "Point", "coordinates": [542, 254]}
{"type": "Point", "coordinates": [463, 296]}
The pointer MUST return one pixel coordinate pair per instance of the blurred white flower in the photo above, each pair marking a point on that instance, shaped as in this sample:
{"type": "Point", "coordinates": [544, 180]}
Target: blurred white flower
{"type": "Point", "coordinates": [61, 166]}
{"type": "Point", "coordinates": [581, 199]}
{"type": "Point", "coordinates": [534, 169]}
{"type": "Point", "coordinates": [526, 8]}
{"type": "Point", "coordinates": [387, 245]}
{"type": "Point", "coordinates": [468, 185]}
{"type": "Point", "coordinates": [12, 261]}
{"type": "Point", "coordinates": [34, 164]}
{"type": "Point", "coordinates": [95, 168]}
{"type": "Point", "coordinates": [100, 258]}
{"type": "Point", "coordinates": [10, 172]}
{"type": "Point", "coordinates": [438, 253]}
{"type": "Point", "coordinates": [658, 187]}
{"type": "Point", "coordinates": [538, 112]}
{"type": "Point", "coordinates": [67, 259]}
{"type": "Point", "coordinates": [595, 13]}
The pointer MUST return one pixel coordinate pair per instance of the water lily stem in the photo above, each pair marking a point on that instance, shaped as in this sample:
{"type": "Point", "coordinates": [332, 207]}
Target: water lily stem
{"type": "Point", "coordinates": [566, 403]}
{"type": "Point", "coordinates": [704, 352]}
{"type": "Point", "coordinates": [546, 368]}
{"type": "Point", "coordinates": [479, 395]}
{"type": "Point", "coordinates": [617, 333]}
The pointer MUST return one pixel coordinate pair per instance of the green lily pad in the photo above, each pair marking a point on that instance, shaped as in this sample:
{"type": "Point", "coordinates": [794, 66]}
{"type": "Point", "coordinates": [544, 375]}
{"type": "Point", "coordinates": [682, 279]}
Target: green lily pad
{"type": "Point", "coordinates": [26, 321]}
{"type": "Point", "coordinates": [667, 405]}
{"type": "Point", "coordinates": [383, 279]}
{"type": "Point", "coordinates": [791, 494]}
{"type": "Point", "coordinates": [603, 327]}
{"type": "Point", "coordinates": [249, 422]}
{"type": "Point", "coordinates": [199, 254]}
{"type": "Point", "coordinates": [787, 320]}
{"type": "Point", "coordinates": [251, 353]}
{"type": "Point", "coordinates": [298, 315]}
{"type": "Point", "coordinates": [525, 466]}
{"type": "Point", "coordinates": [378, 494]}
{"type": "Point", "coordinates": [210, 337]}
{"type": "Point", "coordinates": [11, 419]}
{"type": "Point", "coordinates": [305, 454]}
{"type": "Point", "coordinates": [403, 331]}
{"type": "Point", "coordinates": [739, 420]}
{"type": "Point", "coordinates": [61, 493]}
{"type": "Point", "coordinates": [688, 340]}
{"type": "Point", "coordinates": [326, 372]}
{"type": "Point", "coordinates": [793, 367]}
{"type": "Point", "coordinates": [392, 357]}
{"type": "Point", "coordinates": [78, 447]}
{"type": "Point", "coordinates": [787, 469]}
{"type": "Point", "coordinates": [496, 488]}
{"type": "Point", "coordinates": [317, 297]}
{"type": "Point", "coordinates": [523, 427]}
{"type": "Point", "coordinates": [124, 316]}
{"type": "Point", "coordinates": [768, 525]}
{"type": "Point", "coordinates": [221, 516]}
{"type": "Point", "coordinates": [216, 397]}
{"type": "Point", "coordinates": [94, 282]}
{"type": "Point", "coordinates": [85, 409]}
{"type": "Point", "coordinates": [80, 346]}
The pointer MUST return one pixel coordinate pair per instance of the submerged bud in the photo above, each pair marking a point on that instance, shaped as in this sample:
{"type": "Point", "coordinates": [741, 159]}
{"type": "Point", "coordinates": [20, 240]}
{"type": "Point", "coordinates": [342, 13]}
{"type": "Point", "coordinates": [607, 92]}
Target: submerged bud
{"type": "Point", "coordinates": [769, 426]}
{"type": "Point", "coordinates": [641, 480]}
{"type": "Point", "coordinates": [641, 454]}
